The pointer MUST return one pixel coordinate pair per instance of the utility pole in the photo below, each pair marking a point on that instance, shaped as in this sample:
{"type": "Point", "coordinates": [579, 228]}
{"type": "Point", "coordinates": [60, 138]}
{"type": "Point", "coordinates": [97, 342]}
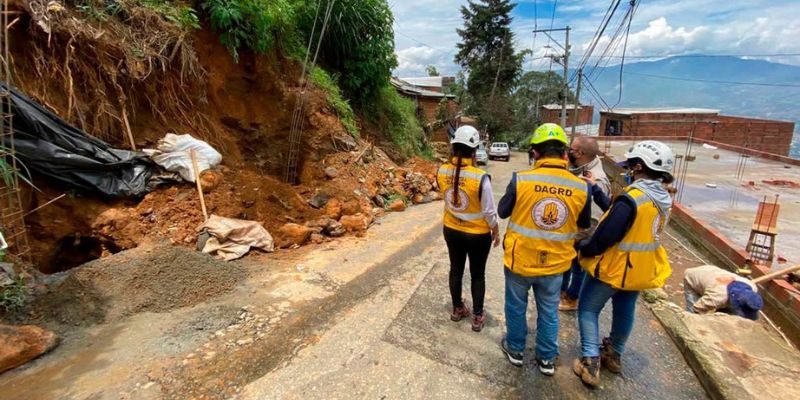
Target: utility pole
{"type": "Point", "coordinates": [566, 85]}
{"type": "Point", "coordinates": [577, 103]}
{"type": "Point", "coordinates": [564, 61]}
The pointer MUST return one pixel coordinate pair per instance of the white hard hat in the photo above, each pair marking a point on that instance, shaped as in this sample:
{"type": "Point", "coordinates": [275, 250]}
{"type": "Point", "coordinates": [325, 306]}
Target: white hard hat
{"type": "Point", "coordinates": [655, 155]}
{"type": "Point", "coordinates": [467, 135]}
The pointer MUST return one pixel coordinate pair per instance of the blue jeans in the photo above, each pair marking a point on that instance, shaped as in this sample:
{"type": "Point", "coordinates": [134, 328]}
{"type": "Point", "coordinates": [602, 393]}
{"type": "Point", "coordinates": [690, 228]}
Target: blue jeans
{"type": "Point", "coordinates": [573, 280]}
{"type": "Point", "coordinates": [593, 298]}
{"type": "Point", "coordinates": [546, 294]}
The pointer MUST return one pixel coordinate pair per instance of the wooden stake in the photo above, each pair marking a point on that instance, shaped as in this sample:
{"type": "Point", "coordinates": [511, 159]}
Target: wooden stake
{"type": "Point", "coordinates": [199, 186]}
{"type": "Point", "coordinates": [772, 275]}
{"type": "Point", "coordinates": [128, 128]}
{"type": "Point", "coordinates": [44, 205]}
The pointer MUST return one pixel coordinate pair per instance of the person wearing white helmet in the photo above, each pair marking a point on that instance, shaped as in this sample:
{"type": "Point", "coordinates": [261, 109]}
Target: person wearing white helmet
{"type": "Point", "coordinates": [623, 257]}
{"type": "Point", "coordinates": [470, 222]}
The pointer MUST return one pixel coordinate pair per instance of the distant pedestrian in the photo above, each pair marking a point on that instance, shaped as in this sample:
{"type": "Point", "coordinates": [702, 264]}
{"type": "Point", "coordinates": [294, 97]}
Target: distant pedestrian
{"type": "Point", "coordinates": [584, 160]}
{"type": "Point", "coordinates": [470, 223]}
{"type": "Point", "coordinates": [623, 257]}
{"type": "Point", "coordinates": [547, 206]}
{"type": "Point", "coordinates": [709, 288]}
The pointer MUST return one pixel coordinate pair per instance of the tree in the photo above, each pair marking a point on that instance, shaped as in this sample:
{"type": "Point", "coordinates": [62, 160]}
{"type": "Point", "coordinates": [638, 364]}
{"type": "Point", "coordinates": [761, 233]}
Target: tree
{"type": "Point", "coordinates": [459, 89]}
{"type": "Point", "coordinates": [486, 52]}
{"type": "Point", "coordinates": [533, 90]}
{"type": "Point", "coordinates": [431, 70]}
{"type": "Point", "coordinates": [358, 46]}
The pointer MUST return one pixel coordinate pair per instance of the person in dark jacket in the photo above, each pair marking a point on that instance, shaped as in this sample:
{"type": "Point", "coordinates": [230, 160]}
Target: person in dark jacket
{"type": "Point", "coordinates": [623, 257]}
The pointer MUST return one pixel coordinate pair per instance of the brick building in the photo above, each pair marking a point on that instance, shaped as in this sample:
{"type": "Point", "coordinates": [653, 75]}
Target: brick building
{"type": "Point", "coordinates": [552, 113]}
{"type": "Point", "coordinates": [754, 133]}
{"type": "Point", "coordinates": [428, 108]}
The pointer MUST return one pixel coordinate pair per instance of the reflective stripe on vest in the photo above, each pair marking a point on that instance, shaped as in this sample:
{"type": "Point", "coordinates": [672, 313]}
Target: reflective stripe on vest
{"type": "Point", "coordinates": [540, 234]}
{"type": "Point", "coordinates": [630, 246]}
{"type": "Point", "coordinates": [469, 216]}
{"type": "Point", "coordinates": [556, 180]}
{"type": "Point", "coordinates": [638, 261]}
{"type": "Point", "coordinates": [466, 217]}
{"type": "Point", "coordinates": [543, 224]}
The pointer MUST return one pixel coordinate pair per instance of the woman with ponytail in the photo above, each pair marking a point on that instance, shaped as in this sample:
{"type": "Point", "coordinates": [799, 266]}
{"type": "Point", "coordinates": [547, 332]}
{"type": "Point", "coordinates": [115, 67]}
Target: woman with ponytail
{"type": "Point", "coordinates": [470, 222]}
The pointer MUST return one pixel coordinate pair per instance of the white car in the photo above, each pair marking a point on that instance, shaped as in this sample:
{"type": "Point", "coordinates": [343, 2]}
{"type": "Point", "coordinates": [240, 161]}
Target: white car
{"type": "Point", "coordinates": [480, 156]}
{"type": "Point", "coordinates": [499, 150]}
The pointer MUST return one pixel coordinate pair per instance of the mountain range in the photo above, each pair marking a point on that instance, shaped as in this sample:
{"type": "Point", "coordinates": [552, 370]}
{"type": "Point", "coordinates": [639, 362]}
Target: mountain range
{"type": "Point", "coordinates": [772, 90]}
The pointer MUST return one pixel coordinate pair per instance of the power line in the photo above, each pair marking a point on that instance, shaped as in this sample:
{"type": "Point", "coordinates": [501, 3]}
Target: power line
{"type": "Point", "coordinates": [708, 55]}
{"type": "Point", "coordinates": [552, 19]}
{"type": "Point", "coordinates": [632, 11]}
{"type": "Point", "coordinates": [676, 78]}
{"type": "Point", "coordinates": [418, 41]}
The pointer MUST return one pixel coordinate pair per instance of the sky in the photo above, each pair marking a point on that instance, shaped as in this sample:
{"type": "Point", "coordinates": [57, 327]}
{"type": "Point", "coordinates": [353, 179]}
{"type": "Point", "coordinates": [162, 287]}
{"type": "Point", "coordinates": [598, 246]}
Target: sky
{"type": "Point", "coordinates": [425, 30]}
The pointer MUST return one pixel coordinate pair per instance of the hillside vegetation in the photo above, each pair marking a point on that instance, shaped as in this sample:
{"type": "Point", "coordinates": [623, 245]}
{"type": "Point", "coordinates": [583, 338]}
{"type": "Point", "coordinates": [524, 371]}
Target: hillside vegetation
{"type": "Point", "coordinates": [144, 51]}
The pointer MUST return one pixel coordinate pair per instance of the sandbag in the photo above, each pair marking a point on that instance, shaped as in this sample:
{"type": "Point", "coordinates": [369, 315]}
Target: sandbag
{"type": "Point", "coordinates": [173, 153]}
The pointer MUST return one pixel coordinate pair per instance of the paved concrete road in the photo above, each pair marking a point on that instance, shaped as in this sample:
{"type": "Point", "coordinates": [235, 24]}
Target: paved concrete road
{"type": "Point", "coordinates": [398, 342]}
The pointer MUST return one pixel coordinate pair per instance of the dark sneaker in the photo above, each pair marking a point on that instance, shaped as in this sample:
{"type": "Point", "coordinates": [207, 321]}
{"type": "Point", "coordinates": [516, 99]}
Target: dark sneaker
{"type": "Point", "coordinates": [546, 367]}
{"type": "Point", "coordinates": [588, 369]}
{"type": "Point", "coordinates": [609, 357]}
{"type": "Point", "coordinates": [477, 321]}
{"type": "Point", "coordinates": [567, 304]}
{"type": "Point", "coordinates": [460, 313]}
{"type": "Point", "coordinates": [514, 357]}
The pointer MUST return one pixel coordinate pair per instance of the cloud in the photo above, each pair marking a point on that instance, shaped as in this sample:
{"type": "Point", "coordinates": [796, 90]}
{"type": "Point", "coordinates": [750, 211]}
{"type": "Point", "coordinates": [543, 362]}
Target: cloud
{"type": "Point", "coordinates": [413, 60]}
{"type": "Point", "coordinates": [425, 30]}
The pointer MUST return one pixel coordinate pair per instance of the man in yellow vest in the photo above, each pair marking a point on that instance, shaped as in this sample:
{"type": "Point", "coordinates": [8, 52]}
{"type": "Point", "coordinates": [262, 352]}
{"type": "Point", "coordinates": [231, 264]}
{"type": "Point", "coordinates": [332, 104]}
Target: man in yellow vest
{"type": "Point", "coordinates": [547, 206]}
{"type": "Point", "coordinates": [623, 257]}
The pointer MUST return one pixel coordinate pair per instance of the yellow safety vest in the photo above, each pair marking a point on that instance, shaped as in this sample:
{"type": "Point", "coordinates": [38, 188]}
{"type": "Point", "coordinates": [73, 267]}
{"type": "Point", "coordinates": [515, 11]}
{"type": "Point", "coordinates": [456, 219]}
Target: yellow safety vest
{"type": "Point", "coordinates": [467, 216]}
{"type": "Point", "coordinates": [638, 261]}
{"type": "Point", "coordinates": [541, 232]}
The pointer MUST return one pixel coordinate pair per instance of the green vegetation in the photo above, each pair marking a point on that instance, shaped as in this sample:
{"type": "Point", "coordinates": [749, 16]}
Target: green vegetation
{"type": "Point", "coordinates": [358, 45]}
{"type": "Point", "coordinates": [396, 117]}
{"type": "Point", "coordinates": [252, 24]}
{"type": "Point", "coordinates": [182, 14]}
{"type": "Point", "coordinates": [486, 52]}
{"type": "Point", "coordinates": [356, 55]}
{"type": "Point", "coordinates": [12, 296]}
{"type": "Point", "coordinates": [533, 90]}
{"type": "Point", "coordinates": [322, 80]}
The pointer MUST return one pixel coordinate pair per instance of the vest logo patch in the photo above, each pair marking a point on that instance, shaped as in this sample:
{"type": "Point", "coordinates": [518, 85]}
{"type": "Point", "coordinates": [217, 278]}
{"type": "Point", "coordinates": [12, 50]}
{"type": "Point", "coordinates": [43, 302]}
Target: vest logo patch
{"type": "Point", "coordinates": [463, 202]}
{"type": "Point", "coordinates": [658, 227]}
{"type": "Point", "coordinates": [550, 214]}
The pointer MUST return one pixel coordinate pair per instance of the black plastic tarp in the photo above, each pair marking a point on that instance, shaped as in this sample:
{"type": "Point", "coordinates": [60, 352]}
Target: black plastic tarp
{"type": "Point", "coordinates": [68, 156]}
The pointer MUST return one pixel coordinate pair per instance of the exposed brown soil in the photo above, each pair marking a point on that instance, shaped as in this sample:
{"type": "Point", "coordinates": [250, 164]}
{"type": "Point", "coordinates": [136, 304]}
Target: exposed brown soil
{"type": "Point", "coordinates": [243, 109]}
{"type": "Point", "coordinates": [156, 278]}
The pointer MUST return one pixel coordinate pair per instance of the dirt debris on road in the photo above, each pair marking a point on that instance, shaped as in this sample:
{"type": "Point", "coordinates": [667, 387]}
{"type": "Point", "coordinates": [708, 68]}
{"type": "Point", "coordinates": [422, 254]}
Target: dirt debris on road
{"type": "Point", "coordinates": [154, 278]}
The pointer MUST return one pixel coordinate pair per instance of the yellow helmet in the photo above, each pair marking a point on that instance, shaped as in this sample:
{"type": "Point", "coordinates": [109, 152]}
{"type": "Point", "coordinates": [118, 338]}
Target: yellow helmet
{"type": "Point", "coordinates": [547, 132]}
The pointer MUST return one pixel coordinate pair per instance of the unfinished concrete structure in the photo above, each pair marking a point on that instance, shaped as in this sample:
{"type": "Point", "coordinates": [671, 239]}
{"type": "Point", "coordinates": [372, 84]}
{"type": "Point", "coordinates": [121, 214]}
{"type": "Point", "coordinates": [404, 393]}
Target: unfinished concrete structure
{"type": "Point", "coordinates": [552, 113]}
{"type": "Point", "coordinates": [765, 135]}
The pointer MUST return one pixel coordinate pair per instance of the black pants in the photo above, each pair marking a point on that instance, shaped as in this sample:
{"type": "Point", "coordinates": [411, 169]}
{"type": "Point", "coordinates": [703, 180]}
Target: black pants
{"type": "Point", "coordinates": [461, 245]}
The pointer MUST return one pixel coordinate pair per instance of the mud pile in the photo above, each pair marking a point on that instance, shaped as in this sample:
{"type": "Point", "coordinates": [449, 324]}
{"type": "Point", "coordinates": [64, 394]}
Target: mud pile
{"type": "Point", "coordinates": [155, 278]}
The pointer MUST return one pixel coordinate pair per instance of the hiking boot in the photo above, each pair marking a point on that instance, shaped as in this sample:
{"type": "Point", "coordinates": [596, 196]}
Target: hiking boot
{"type": "Point", "coordinates": [514, 357]}
{"type": "Point", "coordinates": [460, 313]}
{"type": "Point", "coordinates": [588, 369]}
{"type": "Point", "coordinates": [546, 367]}
{"type": "Point", "coordinates": [477, 321]}
{"type": "Point", "coordinates": [567, 304]}
{"type": "Point", "coordinates": [609, 357]}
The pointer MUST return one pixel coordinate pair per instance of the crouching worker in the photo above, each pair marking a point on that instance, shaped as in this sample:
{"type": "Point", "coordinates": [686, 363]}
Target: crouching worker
{"type": "Point", "coordinates": [709, 288]}
{"type": "Point", "coordinates": [623, 257]}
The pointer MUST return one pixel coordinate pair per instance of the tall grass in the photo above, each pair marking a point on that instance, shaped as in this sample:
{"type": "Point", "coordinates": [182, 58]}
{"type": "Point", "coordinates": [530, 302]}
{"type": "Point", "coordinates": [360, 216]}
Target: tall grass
{"type": "Point", "coordinates": [324, 81]}
{"type": "Point", "coordinates": [396, 117]}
